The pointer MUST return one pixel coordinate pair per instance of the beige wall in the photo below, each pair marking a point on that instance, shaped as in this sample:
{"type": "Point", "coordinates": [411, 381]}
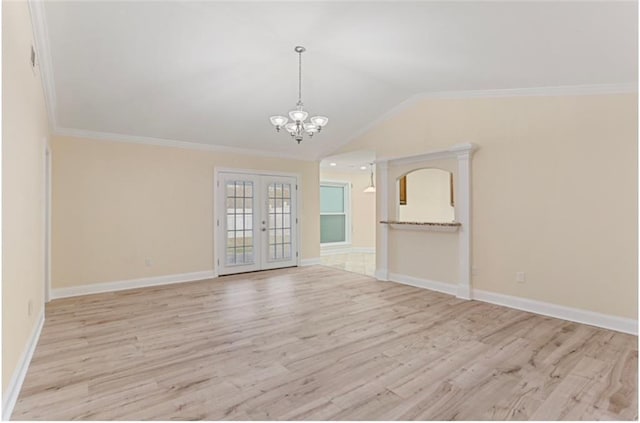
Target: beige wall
{"type": "Point", "coordinates": [24, 132]}
{"type": "Point", "coordinates": [421, 254]}
{"type": "Point", "coordinates": [363, 206]}
{"type": "Point", "coordinates": [428, 197]}
{"type": "Point", "coordinates": [544, 179]}
{"type": "Point", "coordinates": [117, 204]}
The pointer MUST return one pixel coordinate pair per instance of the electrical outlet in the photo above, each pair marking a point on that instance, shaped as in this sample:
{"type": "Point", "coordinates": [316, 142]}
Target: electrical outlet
{"type": "Point", "coordinates": [30, 307]}
{"type": "Point", "coordinates": [148, 262]}
{"type": "Point", "coordinates": [520, 277]}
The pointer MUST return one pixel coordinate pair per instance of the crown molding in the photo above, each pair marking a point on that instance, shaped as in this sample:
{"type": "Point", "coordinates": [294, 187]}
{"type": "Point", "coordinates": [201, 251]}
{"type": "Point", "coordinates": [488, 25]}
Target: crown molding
{"type": "Point", "coordinates": [162, 142]}
{"type": "Point", "coordinates": [457, 151]}
{"type": "Point", "coordinates": [562, 90]}
{"type": "Point", "coordinates": [43, 57]}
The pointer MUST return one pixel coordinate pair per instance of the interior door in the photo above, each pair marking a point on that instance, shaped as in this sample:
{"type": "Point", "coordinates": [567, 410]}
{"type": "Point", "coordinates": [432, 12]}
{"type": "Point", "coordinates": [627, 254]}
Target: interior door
{"type": "Point", "coordinates": [256, 222]}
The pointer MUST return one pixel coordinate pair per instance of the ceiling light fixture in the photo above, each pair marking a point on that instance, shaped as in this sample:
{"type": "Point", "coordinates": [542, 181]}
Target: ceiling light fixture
{"type": "Point", "coordinates": [363, 168]}
{"type": "Point", "coordinates": [298, 127]}
{"type": "Point", "coordinates": [371, 187]}
{"type": "Point", "coordinates": [333, 164]}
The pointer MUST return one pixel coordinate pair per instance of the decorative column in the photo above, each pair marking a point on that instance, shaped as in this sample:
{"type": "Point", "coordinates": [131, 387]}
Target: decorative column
{"type": "Point", "coordinates": [382, 205]}
{"type": "Point", "coordinates": [463, 215]}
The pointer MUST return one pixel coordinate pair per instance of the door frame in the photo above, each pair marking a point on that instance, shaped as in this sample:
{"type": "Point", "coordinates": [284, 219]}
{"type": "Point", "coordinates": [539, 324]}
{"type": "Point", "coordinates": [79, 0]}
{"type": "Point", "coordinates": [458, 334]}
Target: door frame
{"type": "Point", "coordinates": [47, 220]}
{"type": "Point", "coordinates": [216, 217]}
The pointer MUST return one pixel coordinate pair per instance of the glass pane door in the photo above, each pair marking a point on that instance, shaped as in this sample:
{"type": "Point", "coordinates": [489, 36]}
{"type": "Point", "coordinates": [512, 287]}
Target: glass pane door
{"type": "Point", "coordinates": [240, 240]}
{"type": "Point", "coordinates": [280, 249]}
{"type": "Point", "coordinates": [236, 225]}
{"type": "Point", "coordinates": [255, 223]}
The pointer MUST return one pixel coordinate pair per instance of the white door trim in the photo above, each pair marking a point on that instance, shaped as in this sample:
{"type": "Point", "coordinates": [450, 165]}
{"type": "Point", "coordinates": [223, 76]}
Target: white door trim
{"type": "Point", "coordinates": [299, 206]}
{"type": "Point", "coordinates": [47, 221]}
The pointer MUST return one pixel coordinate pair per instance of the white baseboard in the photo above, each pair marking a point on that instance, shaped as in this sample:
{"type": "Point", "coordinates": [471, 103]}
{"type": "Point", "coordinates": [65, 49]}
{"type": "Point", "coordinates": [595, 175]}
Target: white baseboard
{"type": "Point", "coordinates": [447, 288]}
{"type": "Point", "coordinates": [329, 251]}
{"type": "Point", "coordinates": [15, 384]}
{"type": "Point", "coordinates": [311, 262]}
{"type": "Point", "coordinates": [592, 318]}
{"type": "Point", "coordinates": [98, 288]}
{"type": "Point", "coordinates": [381, 274]}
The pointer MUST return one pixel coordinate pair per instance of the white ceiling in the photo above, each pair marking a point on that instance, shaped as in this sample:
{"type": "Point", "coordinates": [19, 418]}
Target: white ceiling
{"type": "Point", "coordinates": [352, 161]}
{"type": "Point", "coordinates": [213, 72]}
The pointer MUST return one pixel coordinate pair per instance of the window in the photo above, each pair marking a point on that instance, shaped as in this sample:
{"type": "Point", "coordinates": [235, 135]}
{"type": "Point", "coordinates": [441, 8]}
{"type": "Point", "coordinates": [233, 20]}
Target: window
{"type": "Point", "coordinates": [334, 212]}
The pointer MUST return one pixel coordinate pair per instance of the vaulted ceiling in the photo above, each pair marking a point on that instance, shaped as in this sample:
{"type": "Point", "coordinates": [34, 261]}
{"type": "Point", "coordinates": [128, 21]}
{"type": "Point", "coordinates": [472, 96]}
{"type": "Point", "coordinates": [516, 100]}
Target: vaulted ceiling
{"type": "Point", "coordinates": [213, 72]}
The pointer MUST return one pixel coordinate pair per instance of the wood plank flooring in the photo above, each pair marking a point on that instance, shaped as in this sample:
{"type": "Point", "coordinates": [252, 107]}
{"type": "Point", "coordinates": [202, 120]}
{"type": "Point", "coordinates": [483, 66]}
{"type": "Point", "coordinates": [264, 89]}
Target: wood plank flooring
{"type": "Point", "coordinates": [318, 343]}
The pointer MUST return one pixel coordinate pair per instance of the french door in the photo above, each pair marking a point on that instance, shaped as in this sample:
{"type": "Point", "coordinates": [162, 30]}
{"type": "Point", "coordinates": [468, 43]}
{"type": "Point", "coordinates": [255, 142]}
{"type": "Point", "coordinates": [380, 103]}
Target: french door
{"type": "Point", "coordinates": [256, 222]}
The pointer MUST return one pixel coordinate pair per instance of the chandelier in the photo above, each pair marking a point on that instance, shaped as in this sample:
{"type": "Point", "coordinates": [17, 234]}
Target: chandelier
{"type": "Point", "coordinates": [371, 187]}
{"type": "Point", "coordinates": [298, 125]}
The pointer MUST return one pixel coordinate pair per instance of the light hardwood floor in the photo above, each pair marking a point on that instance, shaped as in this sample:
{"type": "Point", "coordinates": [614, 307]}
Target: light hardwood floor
{"type": "Point", "coordinates": [319, 343]}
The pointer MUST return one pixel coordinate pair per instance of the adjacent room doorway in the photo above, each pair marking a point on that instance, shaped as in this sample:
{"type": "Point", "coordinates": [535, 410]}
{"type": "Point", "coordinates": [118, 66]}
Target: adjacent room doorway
{"type": "Point", "coordinates": [256, 222]}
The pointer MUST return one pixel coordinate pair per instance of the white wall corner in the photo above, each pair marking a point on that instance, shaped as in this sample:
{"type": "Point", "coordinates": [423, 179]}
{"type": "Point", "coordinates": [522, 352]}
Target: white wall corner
{"type": "Point", "coordinates": [620, 324]}
{"type": "Point", "coordinates": [99, 288]}
{"type": "Point", "coordinates": [43, 59]}
{"type": "Point", "coordinates": [310, 262]}
{"type": "Point", "coordinates": [17, 379]}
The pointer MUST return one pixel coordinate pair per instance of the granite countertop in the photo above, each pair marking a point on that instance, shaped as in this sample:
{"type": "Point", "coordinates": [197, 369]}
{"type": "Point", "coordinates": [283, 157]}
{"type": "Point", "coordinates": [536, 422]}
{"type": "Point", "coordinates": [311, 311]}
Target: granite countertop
{"type": "Point", "coordinates": [396, 222]}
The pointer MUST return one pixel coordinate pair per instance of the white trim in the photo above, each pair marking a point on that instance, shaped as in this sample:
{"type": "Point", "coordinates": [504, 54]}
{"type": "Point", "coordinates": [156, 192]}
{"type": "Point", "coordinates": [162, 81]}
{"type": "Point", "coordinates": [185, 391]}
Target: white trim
{"type": "Point", "coordinates": [381, 274]}
{"type": "Point", "coordinates": [444, 287]}
{"type": "Point", "coordinates": [463, 215]}
{"type": "Point", "coordinates": [382, 204]}
{"type": "Point", "coordinates": [562, 90]}
{"type": "Point", "coordinates": [311, 262]}
{"type": "Point", "coordinates": [424, 227]}
{"type": "Point", "coordinates": [163, 142]}
{"type": "Point", "coordinates": [325, 250]}
{"type": "Point", "coordinates": [363, 250]}
{"type": "Point", "coordinates": [559, 90]}
{"type": "Point", "coordinates": [444, 153]}
{"type": "Point", "coordinates": [99, 288]}
{"type": "Point", "coordinates": [329, 251]}
{"type": "Point", "coordinates": [15, 384]}
{"type": "Point", "coordinates": [43, 52]}
{"type": "Point", "coordinates": [592, 318]}
{"type": "Point", "coordinates": [47, 220]}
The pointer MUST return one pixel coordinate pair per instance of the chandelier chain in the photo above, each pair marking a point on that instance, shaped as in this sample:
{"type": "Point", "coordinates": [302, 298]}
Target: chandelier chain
{"type": "Point", "coordinates": [300, 78]}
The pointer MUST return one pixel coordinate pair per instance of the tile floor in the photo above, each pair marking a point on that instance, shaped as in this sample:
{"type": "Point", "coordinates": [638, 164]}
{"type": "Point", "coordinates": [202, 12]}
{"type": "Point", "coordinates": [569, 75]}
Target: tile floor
{"type": "Point", "coordinates": [363, 263]}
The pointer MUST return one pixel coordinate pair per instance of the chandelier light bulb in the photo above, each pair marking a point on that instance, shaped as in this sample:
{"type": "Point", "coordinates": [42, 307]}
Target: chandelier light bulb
{"type": "Point", "coordinates": [298, 128]}
{"type": "Point", "coordinates": [278, 121]}
{"type": "Point", "coordinates": [291, 127]}
{"type": "Point", "coordinates": [298, 115]}
{"type": "Point", "coordinates": [310, 128]}
{"type": "Point", "coordinates": [319, 121]}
